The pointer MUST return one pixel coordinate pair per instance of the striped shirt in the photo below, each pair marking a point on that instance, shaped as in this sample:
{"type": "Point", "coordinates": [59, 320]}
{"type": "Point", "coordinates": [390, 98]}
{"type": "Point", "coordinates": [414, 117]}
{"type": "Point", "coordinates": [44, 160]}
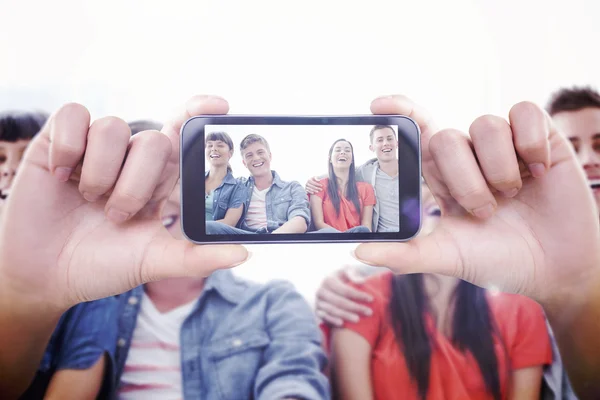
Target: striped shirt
{"type": "Point", "coordinates": [153, 366]}
{"type": "Point", "coordinates": [256, 217]}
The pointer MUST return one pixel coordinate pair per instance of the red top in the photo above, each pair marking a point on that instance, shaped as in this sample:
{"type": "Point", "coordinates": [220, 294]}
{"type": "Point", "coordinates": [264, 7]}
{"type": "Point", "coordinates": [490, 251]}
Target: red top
{"type": "Point", "coordinates": [453, 374]}
{"type": "Point", "coordinates": [349, 217]}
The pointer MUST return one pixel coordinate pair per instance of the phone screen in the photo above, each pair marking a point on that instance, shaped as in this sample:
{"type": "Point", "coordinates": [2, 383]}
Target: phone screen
{"type": "Point", "coordinates": [268, 179]}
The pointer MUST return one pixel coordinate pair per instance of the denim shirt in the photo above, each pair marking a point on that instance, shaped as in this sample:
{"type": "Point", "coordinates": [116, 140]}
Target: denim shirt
{"type": "Point", "coordinates": [229, 194]}
{"type": "Point", "coordinates": [284, 201]}
{"type": "Point", "coordinates": [242, 341]}
{"type": "Point", "coordinates": [83, 334]}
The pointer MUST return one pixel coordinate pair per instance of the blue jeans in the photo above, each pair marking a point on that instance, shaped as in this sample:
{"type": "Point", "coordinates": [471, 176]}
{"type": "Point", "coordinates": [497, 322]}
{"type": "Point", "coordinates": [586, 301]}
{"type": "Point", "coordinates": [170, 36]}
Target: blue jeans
{"type": "Point", "coordinates": [219, 228]}
{"type": "Point", "coordinates": [356, 229]}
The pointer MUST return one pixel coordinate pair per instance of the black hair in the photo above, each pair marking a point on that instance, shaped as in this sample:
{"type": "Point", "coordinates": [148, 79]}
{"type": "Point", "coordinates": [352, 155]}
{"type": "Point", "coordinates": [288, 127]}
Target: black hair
{"type": "Point", "coordinates": [473, 329]}
{"type": "Point", "coordinates": [573, 99]}
{"type": "Point", "coordinates": [253, 138]}
{"type": "Point", "coordinates": [223, 137]}
{"type": "Point", "coordinates": [332, 187]}
{"type": "Point", "coordinates": [20, 125]}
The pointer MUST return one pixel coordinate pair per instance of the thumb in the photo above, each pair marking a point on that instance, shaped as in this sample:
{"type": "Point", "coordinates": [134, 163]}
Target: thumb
{"type": "Point", "coordinates": [434, 253]}
{"type": "Point", "coordinates": [167, 257]}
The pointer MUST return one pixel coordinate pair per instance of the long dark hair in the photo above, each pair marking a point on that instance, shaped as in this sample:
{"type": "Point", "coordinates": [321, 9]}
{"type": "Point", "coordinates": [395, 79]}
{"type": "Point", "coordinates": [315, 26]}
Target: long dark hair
{"type": "Point", "coordinates": [223, 137]}
{"type": "Point", "coordinates": [473, 329]}
{"type": "Point", "coordinates": [332, 187]}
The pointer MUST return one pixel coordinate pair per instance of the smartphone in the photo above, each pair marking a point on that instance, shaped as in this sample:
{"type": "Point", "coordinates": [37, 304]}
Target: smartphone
{"type": "Point", "coordinates": [300, 179]}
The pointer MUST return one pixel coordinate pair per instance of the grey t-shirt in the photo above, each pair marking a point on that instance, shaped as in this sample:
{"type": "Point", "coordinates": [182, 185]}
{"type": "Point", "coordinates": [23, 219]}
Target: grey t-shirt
{"type": "Point", "coordinates": [388, 197]}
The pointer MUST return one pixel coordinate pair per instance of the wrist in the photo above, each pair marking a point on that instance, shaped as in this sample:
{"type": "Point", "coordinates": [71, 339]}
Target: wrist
{"type": "Point", "coordinates": [566, 305]}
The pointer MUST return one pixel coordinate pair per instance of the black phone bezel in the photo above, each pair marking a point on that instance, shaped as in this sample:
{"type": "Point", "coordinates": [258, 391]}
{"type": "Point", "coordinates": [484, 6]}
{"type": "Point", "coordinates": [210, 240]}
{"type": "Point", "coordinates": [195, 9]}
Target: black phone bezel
{"type": "Point", "coordinates": [192, 184]}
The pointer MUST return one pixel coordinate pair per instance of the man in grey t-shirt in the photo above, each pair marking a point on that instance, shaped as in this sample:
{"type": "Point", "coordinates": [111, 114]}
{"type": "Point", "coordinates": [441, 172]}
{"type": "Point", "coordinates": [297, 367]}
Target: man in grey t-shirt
{"type": "Point", "coordinates": [382, 173]}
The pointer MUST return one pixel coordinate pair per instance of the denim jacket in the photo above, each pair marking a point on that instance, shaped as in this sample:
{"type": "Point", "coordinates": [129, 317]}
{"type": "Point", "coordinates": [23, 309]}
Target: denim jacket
{"type": "Point", "coordinates": [83, 334]}
{"type": "Point", "coordinates": [229, 194]}
{"type": "Point", "coordinates": [242, 341]}
{"type": "Point", "coordinates": [285, 200]}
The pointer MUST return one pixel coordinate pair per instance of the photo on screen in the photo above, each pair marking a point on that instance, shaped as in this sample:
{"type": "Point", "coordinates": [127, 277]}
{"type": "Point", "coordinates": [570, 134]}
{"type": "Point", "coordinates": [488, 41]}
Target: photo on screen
{"type": "Point", "coordinates": [262, 179]}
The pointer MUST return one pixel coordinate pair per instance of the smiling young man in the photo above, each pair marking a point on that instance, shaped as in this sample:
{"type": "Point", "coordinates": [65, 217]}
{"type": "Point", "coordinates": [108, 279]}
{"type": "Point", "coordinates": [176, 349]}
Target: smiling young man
{"type": "Point", "coordinates": [576, 113]}
{"type": "Point", "coordinates": [272, 205]}
{"type": "Point", "coordinates": [382, 173]}
{"type": "Point", "coordinates": [16, 131]}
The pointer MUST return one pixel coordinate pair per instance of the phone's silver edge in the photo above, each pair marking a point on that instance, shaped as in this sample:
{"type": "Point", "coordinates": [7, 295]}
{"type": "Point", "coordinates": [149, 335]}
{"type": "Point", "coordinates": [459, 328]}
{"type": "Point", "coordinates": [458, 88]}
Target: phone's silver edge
{"type": "Point", "coordinates": [315, 241]}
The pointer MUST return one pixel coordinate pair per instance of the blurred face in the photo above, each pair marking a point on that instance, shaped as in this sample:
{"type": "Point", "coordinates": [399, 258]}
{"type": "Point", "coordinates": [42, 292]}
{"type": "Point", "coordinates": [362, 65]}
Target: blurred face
{"type": "Point", "coordinates": [384, 144]}
{"type": "Point", "coordinates": [431, 212]}
{"type": "Point", "coordinates": [11, 154]}
{"type": "Point", "coordinates": [218, 153]}
{"type": "Point", "coordinates": [583, 130]}
{"type": "Point", "coordinates": [341, 156]}
{"type": "Point", "coordinates": [257, 159]}
{"type": "Point", "coordinates": [171, 213]}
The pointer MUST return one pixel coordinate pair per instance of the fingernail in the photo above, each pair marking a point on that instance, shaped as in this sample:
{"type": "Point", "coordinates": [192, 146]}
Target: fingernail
{"type": "Point", "coordinates": [511, 193]}
{"type": "Point", "coordinates": [353, 253]}
{"type": "Point", "coordinates": [242, 262]}
{"type": "Point", "coordinates": [484, 212]}
{"type": "Point", "coordinates": [117, 216]}
{"type": "Point", "coordinates": [537, 170]}
{"type": "Point", "coordinates": [354, 318]}
{"type": "Point", "coordinates": [90, 197]}
{"type": "Point", "coordinates": [368, 312]}
{"type": "Point", "coordinates": [63, 173]}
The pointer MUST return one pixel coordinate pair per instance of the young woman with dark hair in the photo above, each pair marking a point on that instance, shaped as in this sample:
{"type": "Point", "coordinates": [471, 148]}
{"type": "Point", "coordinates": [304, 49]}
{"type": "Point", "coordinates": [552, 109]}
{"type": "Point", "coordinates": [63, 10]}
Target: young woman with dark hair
{"type": "Point", "coordinates": [344, 205]}
{"type": "Point", "coordinates": [225, 196]}
{"type": "Point", "coordinates": [434, 337]}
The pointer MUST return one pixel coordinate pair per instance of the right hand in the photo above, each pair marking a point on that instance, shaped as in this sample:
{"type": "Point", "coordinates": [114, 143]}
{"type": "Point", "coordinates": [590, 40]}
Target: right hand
{"type": "Point", "coordinates": [313, 186]}
{"type": "Point", "coordinates": [337, 301]}
{"type": "Point", "coordinates": [59, 246]}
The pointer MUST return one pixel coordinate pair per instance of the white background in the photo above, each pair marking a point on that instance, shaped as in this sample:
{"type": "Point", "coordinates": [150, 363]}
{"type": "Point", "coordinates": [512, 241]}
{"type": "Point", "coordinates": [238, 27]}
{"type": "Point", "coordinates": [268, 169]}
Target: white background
{"type": "Point", "coordinates": [299, 152]}
{"type": "Point", "coordinates": [141, 59]}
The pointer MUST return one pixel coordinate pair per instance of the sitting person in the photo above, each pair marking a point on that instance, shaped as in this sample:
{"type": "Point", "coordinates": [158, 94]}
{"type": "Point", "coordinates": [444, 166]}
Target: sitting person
{"type": "Point", "coordinates": [16, 131]}
{"type": "Point", "coordinates": [216, 337]}
{"type": "Point", "coordinates": [225, 196]}
{"type": "Point", "coordinates": [381, 173]}
{"type": "Point", "coordinates": [344, 205]}
{"type": "Point", "coordinates": [436, 337]}
{"type": "Point", "coordinates": [271, 204]}
{"type": "Point", "coordinates": [75, 361]}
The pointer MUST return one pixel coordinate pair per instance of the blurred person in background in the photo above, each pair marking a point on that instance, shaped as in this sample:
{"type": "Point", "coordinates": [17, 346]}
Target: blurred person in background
{"type": "Point", "coordinates": [17, 128]}
{"type": "Point", "coordinates": [435, 337]}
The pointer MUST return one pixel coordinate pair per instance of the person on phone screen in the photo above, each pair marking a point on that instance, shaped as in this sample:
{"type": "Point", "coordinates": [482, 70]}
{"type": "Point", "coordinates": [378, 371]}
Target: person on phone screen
{"type": "Point", "coordinates": [576, 113]}
{"type": "Point", "coordinates": [271, 205]}
{"type": "Point", "coordinates": [344, 205]}
{"type": "Point", "coordinates": [477, 228]}
{"type": "Point", "coordinates": [434, 337]}
{"type": "Point", "coordinates": [225, 196]}
{"type": "Point", "coordinates": [381, 173]}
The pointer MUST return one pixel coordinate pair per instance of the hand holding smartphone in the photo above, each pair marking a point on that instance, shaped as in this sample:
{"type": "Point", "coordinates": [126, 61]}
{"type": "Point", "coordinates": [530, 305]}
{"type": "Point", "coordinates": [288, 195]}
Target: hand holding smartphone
{"type": "Point", "coordinates": [270, 179]}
